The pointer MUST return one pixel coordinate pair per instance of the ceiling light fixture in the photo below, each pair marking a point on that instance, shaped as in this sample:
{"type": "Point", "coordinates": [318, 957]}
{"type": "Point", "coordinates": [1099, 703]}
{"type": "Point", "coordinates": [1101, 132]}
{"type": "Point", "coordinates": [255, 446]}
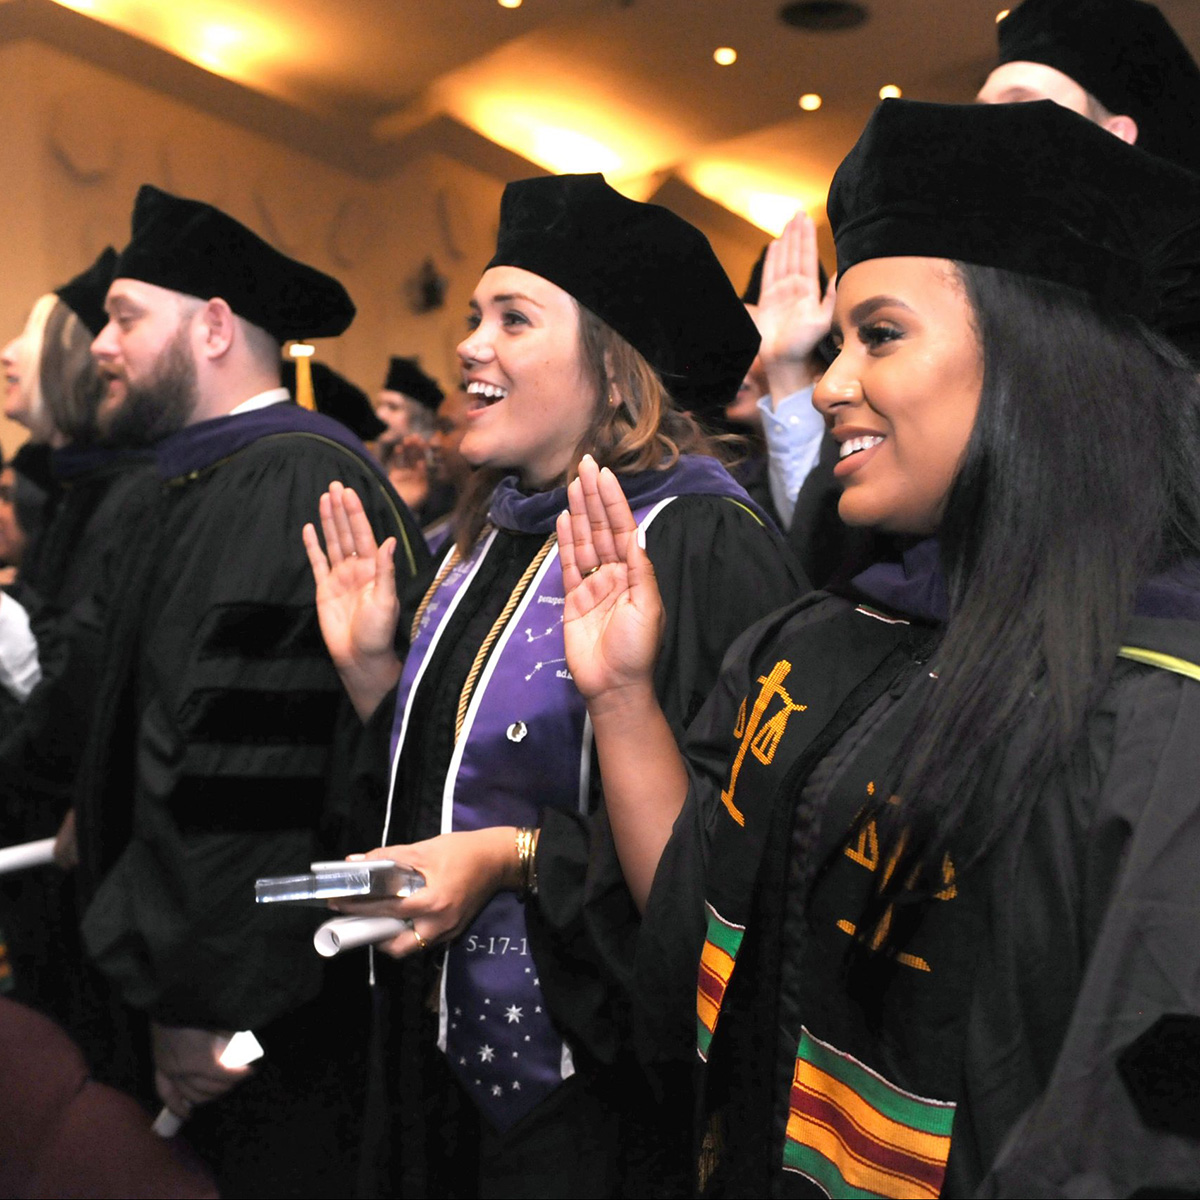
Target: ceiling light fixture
{"type": "Point", "coordinates": [890, 91]}
{"type": "Point", "coordinates": [810, 102]}
{"type": "Point", "coordinates": [1002, 14]}
{"type": "Point", "coordinates": [724, 56]}
{"type": "Point", "coordinates": [509, 3]}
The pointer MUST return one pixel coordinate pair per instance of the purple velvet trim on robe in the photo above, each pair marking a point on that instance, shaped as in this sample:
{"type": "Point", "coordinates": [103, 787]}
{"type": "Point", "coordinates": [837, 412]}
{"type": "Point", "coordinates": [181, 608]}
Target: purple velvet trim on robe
{"type": "Point", "coordinates": [199, 446]}
{"type": "Point", "coordinates": [916, 587]}
{"type": "Point", "coordinates": [693, 474]}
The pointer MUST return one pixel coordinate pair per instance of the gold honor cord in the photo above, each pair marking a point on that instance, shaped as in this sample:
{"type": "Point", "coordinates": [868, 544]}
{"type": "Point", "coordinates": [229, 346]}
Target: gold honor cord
{"type": "Point", "coordinates": [488, 642]}
{"type": "Point", "coordinates": [1165, 662]}
{"type": "Point", "coordinates": [494, 632]}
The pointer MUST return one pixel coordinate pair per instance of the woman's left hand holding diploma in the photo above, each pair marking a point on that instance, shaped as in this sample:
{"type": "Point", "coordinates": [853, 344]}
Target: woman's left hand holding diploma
{"type": "Point", "coordinates": [462, 871]}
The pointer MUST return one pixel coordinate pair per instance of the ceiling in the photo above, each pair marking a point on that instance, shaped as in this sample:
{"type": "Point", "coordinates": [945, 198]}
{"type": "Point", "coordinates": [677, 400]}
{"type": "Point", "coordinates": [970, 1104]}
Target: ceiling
{"type": "Point", "coordinates": [625, 86]}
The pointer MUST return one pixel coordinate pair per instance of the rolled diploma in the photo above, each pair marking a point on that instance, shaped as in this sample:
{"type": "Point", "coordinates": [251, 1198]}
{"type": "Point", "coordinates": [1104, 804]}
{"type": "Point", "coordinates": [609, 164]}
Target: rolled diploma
{"type": "Point", "coordinates": [27, 854]}
{"type": "Point", "coordinates": [240, 1051]}
{"type": "Point", "coordinates": [348, 933]}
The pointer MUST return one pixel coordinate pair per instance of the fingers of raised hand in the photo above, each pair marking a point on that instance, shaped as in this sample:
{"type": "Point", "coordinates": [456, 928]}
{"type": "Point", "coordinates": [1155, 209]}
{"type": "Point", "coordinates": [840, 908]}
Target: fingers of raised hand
{"type": "Point", "coordinates": [598, 518]}
{"type": "Point", "coordinates": [566, 552]}
{"type": "Point", "coordinates": [334, 525]}
{"type": "Point", "coordinates": [587, 557]}
{"type": "Point", "coordinates": [316, 556]}
{"type": "Point", "coordinates": [361, 533]}
{"type": "Point", "coordinates": [618, 515]}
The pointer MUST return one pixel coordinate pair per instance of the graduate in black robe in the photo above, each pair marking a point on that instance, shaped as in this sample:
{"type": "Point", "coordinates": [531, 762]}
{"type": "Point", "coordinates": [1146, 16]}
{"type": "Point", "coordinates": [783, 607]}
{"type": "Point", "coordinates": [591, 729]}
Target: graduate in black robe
{"type": "Point", "coordinates": [207, 762]}
{"type": "Point", "coordinates": [93, 501]}
{"type": "Point", "coordinates": [927, 911]}
{"type": "Point", "coordinates": [577, 343]}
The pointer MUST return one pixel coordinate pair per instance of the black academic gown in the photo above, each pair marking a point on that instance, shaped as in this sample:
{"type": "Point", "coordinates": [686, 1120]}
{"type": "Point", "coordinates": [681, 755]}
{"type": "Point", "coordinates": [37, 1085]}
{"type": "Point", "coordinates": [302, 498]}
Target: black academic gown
{"type": "Point", "coordinates": [719, 567]}
{"type": "Point", "coordinates": [207, 767]}
{"type": "Point", "coordinates": [1033, 992]}
{"type": "Point", "coordinates": [100, 494]}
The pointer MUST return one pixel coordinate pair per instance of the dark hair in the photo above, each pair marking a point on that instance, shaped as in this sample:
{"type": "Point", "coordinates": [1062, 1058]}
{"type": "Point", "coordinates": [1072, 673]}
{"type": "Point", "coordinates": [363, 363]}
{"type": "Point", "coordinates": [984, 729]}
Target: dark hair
{"type": "Point", "coordinates": [71, 386]}
{"type": "Point", "coordinates": [643, 430]}
{"type": "Point", "coordinates": [1080, 479]}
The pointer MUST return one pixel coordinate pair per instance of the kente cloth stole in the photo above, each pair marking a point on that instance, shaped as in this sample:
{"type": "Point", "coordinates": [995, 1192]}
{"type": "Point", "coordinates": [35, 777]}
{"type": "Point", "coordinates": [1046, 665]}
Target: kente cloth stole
{"type": "Point", "coordinates": [869, 1102]}
{"type": "Point", "coordinates": [784, 726]}
{"type": "Point", "coordinates": [525, 745]}
{"type": "Point", "coordinates": [853, 1133]}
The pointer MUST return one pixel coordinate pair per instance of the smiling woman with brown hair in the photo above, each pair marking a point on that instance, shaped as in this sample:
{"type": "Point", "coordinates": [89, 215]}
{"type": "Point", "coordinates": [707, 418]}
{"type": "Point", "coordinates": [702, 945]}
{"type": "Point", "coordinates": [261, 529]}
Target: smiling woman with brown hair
{"type": "Point", "coordinates": [922, 891]}
{"type": "Point", "coordinates": [598, 326]}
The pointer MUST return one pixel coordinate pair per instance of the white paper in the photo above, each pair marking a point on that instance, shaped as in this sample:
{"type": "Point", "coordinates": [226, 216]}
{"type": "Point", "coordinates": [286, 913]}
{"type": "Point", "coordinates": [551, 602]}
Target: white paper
{"type": "Point", "coordinates": [348, 933]}
{"type": "Point", "coordinates": [27, 854]}
{"type": "Point", "coordinates": [240, 1050]}
{"type": "Point", "coordinates": [167, 1124]}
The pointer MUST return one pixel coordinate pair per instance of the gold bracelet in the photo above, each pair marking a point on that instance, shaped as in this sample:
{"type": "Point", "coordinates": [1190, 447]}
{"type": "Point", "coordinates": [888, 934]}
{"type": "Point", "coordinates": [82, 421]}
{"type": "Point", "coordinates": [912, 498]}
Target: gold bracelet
{"type": "Point", "coordinates": [526, 841]}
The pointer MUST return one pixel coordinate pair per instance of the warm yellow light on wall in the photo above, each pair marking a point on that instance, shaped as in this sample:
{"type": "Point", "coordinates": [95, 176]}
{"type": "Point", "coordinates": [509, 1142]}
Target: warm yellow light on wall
{"type": "Point", "coordinates": [223, 36]}
{"type": "Point", "coordinates": [1002, 14]}
{"type": "Point", "coordinates": [569, 152]}
{"type": "Point", "coordinates": [810, 102]}
{"type": "Point", "coordinates": [766, 199]}
{"type": "Point", "coordinates": [724, 56]}
{"type": "Point", "coordinates": [770, 210]}
{"type": "Point", "coordinates": [889, 91]}
{"type": "Point", "coordinates": [509, 3]}
{"type": "Point", "coordinates": [214, 44]}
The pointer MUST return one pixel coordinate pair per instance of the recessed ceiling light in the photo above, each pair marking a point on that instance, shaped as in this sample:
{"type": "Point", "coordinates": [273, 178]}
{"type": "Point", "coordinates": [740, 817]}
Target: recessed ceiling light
{"type": "Point", "coordinates": [509, 3]}
{"type": "Point", "coordinates": [890, 91]}
{"type": "Point", "coordinates": [1002, 14]}
{"type": "Point", "coordinates": [724, 56]}
{"type": "Point", "coordinates": [810, 102]}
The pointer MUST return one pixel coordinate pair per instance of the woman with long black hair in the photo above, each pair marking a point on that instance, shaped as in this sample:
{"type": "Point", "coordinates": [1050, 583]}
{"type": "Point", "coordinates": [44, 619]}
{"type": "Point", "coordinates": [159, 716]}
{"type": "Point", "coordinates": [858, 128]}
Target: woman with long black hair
{"type": "Point", "coordinates": [925, 880]}
{"type": "Point", "coordinates": [600, 327]}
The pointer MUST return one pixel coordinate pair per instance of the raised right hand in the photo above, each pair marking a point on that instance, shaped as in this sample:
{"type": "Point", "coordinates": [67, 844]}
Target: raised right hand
{"type": "Point", "coordinates": [356, 596]}
{"type": "Point", "coordinates": [613, 615]}
{"type": "Point", "coordinates": [792, 314]}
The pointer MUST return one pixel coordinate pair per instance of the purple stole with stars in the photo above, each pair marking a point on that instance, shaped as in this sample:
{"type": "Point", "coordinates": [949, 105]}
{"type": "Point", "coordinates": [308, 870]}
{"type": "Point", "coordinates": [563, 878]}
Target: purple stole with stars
{"type": "Point", "coordinates": [525, 746]}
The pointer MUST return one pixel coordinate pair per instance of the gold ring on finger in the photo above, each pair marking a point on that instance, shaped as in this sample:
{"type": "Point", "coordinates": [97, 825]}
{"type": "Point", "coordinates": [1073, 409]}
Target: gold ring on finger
{"type": "Point", "coordinates": [422, 944]}
{"type": "Point", "coordinates": [591, 571]}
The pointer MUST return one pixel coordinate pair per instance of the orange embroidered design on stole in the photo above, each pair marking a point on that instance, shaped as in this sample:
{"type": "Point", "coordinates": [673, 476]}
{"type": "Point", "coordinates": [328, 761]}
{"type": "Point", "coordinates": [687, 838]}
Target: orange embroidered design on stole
{"type": "Point", "coordinates": [759, 738]}
{"type": "Point", "coordinates": [865, 851]}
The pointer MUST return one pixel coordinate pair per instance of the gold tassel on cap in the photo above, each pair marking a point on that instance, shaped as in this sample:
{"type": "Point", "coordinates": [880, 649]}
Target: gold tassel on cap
{"type": "Point", "coordinates": [302, 352]}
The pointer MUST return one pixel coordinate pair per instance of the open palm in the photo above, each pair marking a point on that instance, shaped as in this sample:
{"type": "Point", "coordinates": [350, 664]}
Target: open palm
{"type": "Point", "coordinates": [613, 615]}
{"type": "Point", "coordinates": [793, 313]}
{"type": "Point", "coordinates": [356, 584]}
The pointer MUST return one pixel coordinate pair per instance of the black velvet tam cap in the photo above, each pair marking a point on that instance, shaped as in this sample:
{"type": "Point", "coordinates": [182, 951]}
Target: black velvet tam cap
{"type": "Point", "coordinates": [644, 271]}
{"type": "Point", "coordinates": [1126, 55]}
{"type": "Point", "coordinates": [191, 247]}
{"type": "Point", "coordinates": [1029, 188]}
{"type": "Point", "coordinates": [404, 375]}
{"type": "Point", "coordinates": [337, 397]}
{"type": "Point", "coordinates": [85, 294]}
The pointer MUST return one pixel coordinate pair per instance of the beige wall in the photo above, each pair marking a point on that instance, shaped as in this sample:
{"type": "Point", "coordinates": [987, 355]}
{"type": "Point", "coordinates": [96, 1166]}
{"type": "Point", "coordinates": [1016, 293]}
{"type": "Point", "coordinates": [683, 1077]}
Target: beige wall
{"type": "Point", "coordinates": [79, 141]}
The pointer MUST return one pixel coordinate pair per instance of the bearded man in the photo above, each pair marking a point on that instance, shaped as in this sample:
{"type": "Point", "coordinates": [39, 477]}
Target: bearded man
{"type": "Point", "coordinates": [206, 767]}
